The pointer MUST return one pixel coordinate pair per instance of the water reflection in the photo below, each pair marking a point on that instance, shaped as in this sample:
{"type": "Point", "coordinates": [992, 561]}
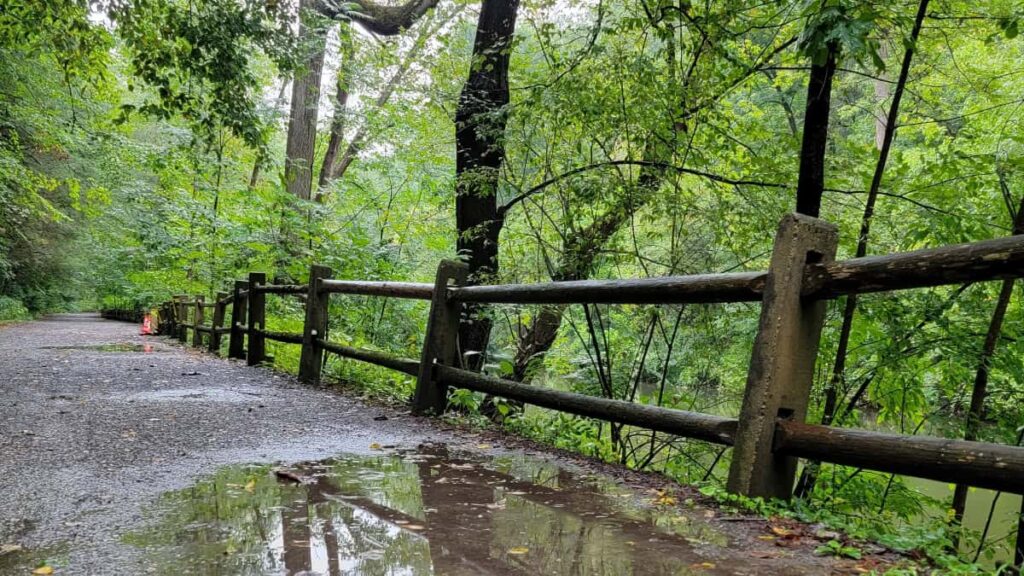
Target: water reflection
{"type": "Point", "coordinates": [426, 512]}
{"type": "Point", "coordinates": [146, 348]}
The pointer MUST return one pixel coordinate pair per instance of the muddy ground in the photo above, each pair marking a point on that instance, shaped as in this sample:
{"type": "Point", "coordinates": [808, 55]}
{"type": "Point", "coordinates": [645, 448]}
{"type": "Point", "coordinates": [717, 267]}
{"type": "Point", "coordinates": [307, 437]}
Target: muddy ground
{"type": "Point", "coordinates": [121, 454]}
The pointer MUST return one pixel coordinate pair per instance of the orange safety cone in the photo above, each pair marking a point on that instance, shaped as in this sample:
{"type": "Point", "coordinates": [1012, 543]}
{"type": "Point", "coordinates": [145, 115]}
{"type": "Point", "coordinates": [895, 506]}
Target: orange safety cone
{"type": "Point", "coordinates": [147, 325]}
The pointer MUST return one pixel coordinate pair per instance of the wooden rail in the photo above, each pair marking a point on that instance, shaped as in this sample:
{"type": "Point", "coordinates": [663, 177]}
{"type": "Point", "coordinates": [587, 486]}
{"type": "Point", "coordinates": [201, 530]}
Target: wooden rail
{"type": "Point", "coordinates": [770, 433]}
{"type": "Point", "coordinates": [391, 289]}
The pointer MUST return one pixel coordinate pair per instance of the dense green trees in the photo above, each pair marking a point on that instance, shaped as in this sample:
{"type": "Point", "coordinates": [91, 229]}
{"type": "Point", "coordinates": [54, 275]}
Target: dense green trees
{"type": "Point", "coordinates": [144, 151]}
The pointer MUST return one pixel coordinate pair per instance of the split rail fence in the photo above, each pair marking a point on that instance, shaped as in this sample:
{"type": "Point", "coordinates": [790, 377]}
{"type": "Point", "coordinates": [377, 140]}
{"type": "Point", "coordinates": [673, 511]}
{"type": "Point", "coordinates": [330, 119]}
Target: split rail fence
{"type": "Point", "coordinates": [770, 433]}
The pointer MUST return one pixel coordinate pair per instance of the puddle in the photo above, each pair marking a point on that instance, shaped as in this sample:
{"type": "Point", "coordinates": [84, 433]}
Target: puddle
{"type": "Point", "coordinates": [422, 512]}
{"type": "Point", "coordinates": [146, 348]}
{"type": "Point", "coordinates": [211, 394]}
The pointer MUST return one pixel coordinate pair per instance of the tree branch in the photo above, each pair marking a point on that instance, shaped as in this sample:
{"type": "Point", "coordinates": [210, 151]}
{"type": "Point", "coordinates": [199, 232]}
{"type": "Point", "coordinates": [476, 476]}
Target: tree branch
{"type": "Point", "coordinates": [377, 18]}
{"type": "Point", "coordinates": [708, 175]}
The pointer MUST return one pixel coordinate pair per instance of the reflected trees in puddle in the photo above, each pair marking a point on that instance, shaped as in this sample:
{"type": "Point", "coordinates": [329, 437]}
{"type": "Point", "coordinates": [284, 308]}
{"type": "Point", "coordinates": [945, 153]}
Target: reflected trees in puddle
{"type": "Point", "coordinates": [110, 348]}
{"type": "Point", "coordinates": [422, 512]}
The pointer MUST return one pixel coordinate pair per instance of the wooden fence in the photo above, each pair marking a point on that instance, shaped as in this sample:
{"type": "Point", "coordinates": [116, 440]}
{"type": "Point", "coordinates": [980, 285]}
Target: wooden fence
{"type": "Point", "coordinates": [770, 433]}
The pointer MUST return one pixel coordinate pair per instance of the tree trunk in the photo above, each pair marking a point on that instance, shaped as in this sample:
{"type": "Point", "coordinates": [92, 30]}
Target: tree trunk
{"type": "Point", "coordinates": [581, 248]}
{"type": "Point", "coordinates": [811, 182]}
{"type": "Point", "coordinates": [479, 138]}
{"type": "Point", "coordinates": [301, 142]}
{"type": "Point", "coordinates": [334, 165]}
{"type": "Point", "coordinates": [976, 412]}
{"type": "Point", "coordinates": [346, 50]}
{"type": "Point", "coordinates": [1018, 555]}
{"type": "Point", "coordinates": [809, 475]}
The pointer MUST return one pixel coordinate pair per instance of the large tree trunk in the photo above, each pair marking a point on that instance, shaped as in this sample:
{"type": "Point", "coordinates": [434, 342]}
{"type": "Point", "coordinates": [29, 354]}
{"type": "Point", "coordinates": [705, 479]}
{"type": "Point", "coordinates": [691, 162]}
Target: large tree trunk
{"type": "Point", "coordinates": [479, 138]}
{"type": "Point", "coordinates": [299, 148]}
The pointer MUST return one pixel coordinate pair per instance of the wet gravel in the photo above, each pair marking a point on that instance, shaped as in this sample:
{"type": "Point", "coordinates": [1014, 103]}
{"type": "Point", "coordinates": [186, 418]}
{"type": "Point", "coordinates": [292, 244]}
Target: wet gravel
{"type": "Point", "coordinates": [96, 422]}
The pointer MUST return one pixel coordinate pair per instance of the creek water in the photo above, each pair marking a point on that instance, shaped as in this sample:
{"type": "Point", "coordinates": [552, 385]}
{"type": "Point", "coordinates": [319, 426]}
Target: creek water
{"type": "Point", "coordinates": [1002, 531]}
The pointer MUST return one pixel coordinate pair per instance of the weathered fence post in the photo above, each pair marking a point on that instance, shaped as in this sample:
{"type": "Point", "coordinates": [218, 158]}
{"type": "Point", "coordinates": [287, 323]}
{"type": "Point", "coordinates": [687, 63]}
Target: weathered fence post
{"type": "Point", "coordinates": [164, 327]}
{"type": "Point", "coordinates": [167, 317]}
{"type": "Point", "coordinates": [782, 363]}
{"type": "Point", "coordinates": [197, 322]}
{"type": "Point", "coordinates": [257, 319]}
{"type": "Point", "coordinates": [218, 321]}
{"type": "Point", "coordinates": [236, 343]}
{"type": "Point", "coordinates": [182, 318]}
{"type": "Point", "coordinates": [315, 326]}
{"type": "Point", "coordinates": [440, 344]}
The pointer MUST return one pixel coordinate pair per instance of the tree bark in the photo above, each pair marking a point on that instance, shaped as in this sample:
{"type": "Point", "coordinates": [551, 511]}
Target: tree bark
{"type": "Point", "coordinates": [480, 149]}
{"type": "Point", "coordinates": [300, 145]}
{"type": "Point", "coordinates": [811, 182]}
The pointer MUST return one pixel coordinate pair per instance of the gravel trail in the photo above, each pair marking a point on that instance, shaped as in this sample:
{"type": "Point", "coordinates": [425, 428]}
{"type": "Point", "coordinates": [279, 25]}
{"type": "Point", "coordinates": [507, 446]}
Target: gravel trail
{"type": "Point", "coordinates": [96, 422]}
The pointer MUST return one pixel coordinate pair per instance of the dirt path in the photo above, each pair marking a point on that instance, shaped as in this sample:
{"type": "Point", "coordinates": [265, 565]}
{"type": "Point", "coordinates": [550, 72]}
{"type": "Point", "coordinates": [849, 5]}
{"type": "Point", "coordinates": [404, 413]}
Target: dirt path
{"type": "Point", "coordinates": [121, 455]}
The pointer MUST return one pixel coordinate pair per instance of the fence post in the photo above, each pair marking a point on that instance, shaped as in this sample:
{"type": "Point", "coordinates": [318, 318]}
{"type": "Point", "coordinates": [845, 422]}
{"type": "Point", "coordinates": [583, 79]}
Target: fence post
{"type": "Point", "coordinates": [782, 363]}
{"type": "Point", "coordinates": [440, 344]}
{"type": "Point", "coordinates": [257, 319]}
{"type": "Point", "coordinates": [236, 343]}
{"type": "Point", "coordinates": [197, 336]}
{"type": "Point", "coordinates": [182, 318]}
{"type": "Point", "coordinates": [167, 317]}
{"type": "Point", "coordinates": [315, 326]}
{"type": "Point", "coordinates": [218, 321]}
{"type": "Point", "coordinates": [164, 327]}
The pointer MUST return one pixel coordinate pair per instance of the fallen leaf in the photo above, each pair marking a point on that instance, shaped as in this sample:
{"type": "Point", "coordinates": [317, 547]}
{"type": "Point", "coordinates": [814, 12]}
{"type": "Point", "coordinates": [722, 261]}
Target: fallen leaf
{"type": "Point", "coordinates": [782, 532]}
{"type": "Point", "coordinates": [375, 446]}
{"type": "Point", "coordinates": [664, 499]}
{"type": "Point", "coordinates": [518, 550]}
{"type": "Point", "coordinates": [43, 570]}
{"type": "Point", "coordinates": [250, 486]}
{"type": "Point", "coordinates": [765, 537]}
{"type": "Point", "coordinates": [484, 446]}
